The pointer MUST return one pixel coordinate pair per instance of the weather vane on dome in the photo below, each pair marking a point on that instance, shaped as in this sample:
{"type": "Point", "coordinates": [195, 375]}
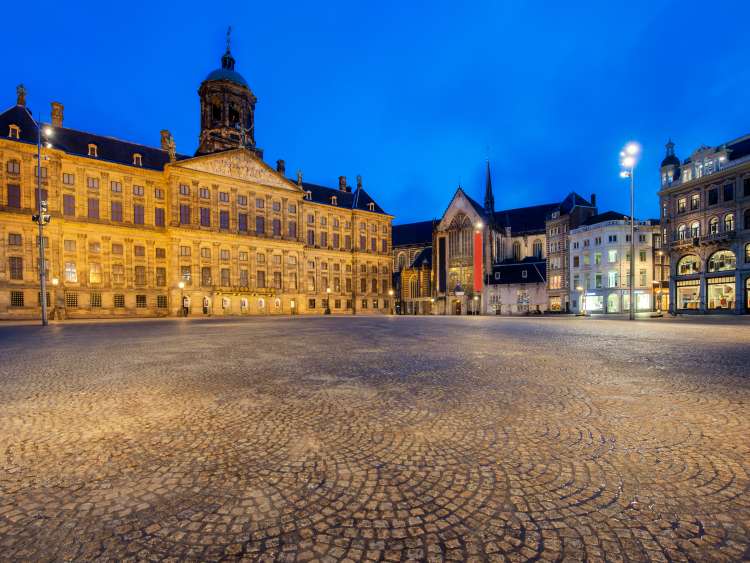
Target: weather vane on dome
{"type": "Point", "coordinates": [229, 37]}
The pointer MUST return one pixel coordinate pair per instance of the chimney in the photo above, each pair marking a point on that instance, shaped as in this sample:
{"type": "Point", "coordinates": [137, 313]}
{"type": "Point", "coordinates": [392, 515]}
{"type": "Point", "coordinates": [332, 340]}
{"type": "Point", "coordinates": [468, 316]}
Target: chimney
{"type": "Point", "coordinates": [20, 95]}
{"type": "Point", "coordinates": [359, 182]}
{"type": "Point", "coordinates": [281, 167]}
{"type": "Point", "coordinates": [57, 114]}
{"type": "Point", "coordinates": [342, 183]}
{"type": "Point", "coordinates": [593, 200]}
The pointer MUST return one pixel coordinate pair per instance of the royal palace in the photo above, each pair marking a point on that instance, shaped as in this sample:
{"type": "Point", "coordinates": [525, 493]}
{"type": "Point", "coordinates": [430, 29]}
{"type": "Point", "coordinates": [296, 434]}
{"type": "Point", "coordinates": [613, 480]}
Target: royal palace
{"type": "Point", "coordinates": [144, 231]}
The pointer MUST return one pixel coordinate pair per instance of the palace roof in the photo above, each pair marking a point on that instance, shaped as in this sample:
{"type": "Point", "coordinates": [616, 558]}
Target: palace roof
{"type": "Point", "coordinates": [413, 234]}
{"type": "Point", "coordinates": [528, 270]}
{"type": "Point", "coordinates": [357, 199]}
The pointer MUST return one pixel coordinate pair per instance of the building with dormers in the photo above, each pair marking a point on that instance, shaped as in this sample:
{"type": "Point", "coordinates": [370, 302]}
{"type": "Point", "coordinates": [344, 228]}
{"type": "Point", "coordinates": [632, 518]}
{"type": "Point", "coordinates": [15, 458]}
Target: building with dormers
{"type": "Point", "coordinates": [145, 231]}
{"type": "Point", "coordinates": [705, 222]}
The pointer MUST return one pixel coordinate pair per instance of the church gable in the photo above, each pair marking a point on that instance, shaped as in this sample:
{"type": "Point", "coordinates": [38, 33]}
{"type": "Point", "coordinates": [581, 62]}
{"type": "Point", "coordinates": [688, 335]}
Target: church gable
{"type": "Point", "coordinates": [459, 205]}
{"type": "Point", "coordinates": [238, 164]}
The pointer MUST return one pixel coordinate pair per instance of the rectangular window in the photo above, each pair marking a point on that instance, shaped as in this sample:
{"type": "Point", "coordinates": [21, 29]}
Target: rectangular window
{"type": "Point", "coordinates": [363, 243]}
{"type": "Point", "coordinates": [206, 252]}
{"type": "Point", "coordinates": [293, 229]}
{"type": "Point", "coordinates": [277, 280]}
{"type": "Point", "coordinates": [293, 280]}
{"type": "Point", "coordinates": [116, 211]}
{"type": "Point", "coordinates": [310, 237]}
{"type": "Point", "coordinates": [158, 193]}
{"type": "Point", "coordinates": [69, 245]}
{"type": "Point", "coordinates": [728, 192]}
{"type": "Point", "coordinates": [139, 250]}
{"type": "Point", "coordinates": [95, 273]}
{"type": "Point", "coordinates": [242, 222]}
{"type": "Point", "coordinates": [242, 200]}
{"type": "Point", "coordinates": [14, 196]}
{"type": "Point", "coordinates": [45, 197]}
{"type": "Point", "coordinates": [224, 197]}
{"type": "Point", "coordinates": [576, 261]}
{"type": "Point", "coordinates": [71, 274]}
{"type": "Point", "coordinates": [324, 239]}
{"type": "Point", "coordinates": [205, 276]}
{"type": "Point", "coordinates": [184, 251]}
{"type": "Point", "coordinates": [713, 196]}
{"type": "Point", "coordinates": [205, 217]}
{"type": "Point", "coordinates": [161, 276]}
{"type": "Point", "coordinates": [276, 206]}
{"type": "Point", "coordinates": [69, 179]}
{"type": "Point", "coordinates": [695, 202]}
{"type": "Point", "coordinates": [140, 275]}
{"type": "Point", "coordinates": [119, 301]}
{"type": "Point", "coordinates": [93, 208]}
{"type": "Point", "coordinates": [384, 246]}
{"type": "Point", "coordinates": [161, 301]}
{"type": "Point", "coordinates": [161, 253]}
{"type": "Point", "coordinates": [118, 273]}
{"type": "Point", "coordinates": [243, 256]}
{"type": "Point", "coordinates": [336, 240]}
{"type": "Point", "coordinates": [184, 189]}
{"type": "Point", "coordinates": [69, 204]}
{"type": "Point", "coordinates": [140, 301]}
{"type": "Point", "coordinates": [244, 278]}
{"type": "Point", "coordinates": [184, 214]}
{"type": "Point", "coordinates": [116, 187]}
{"type": "Point", "coordinates": [225, 277]}
{"type": "Point", "coordinates": [259, 203]}
{"type": "Point", "coordinates": [276, 227]}
{"type": "Point", "coordinates": [681, 205]}
{"type": "Point", "coordinates": [71, 299]}
{"type": "Point", "coordinates": [95, 299]}
{"type": "Point", "coordinates": [186, 275]}
{"type": "Point", "coordinates": [292, 209]}
{"type": "Point", "coordinates": [92, 183]}
{"type": "Point", "coordinates": [642, 256]}
{"type": "Point", "coordinates": [224, 254]}
{"type": "Point", "coordinates": [16, 267]}
{"type": "Point", "coordinates": [260, 225]}
{"type": "Point", "coordinates": [597, 258]}
{"type": "Point", "coordinates": [224, 220]}
{"type": "Point", "coordinates": [347, 242]}
{"type": "Point", "coordinates": [14, 239]}
{"type": "Point", "coordinates": [204, 194]}
{"type": "Point", "coordinates": [311, 303]}
{"type": "Point", "coordinates": [138, 214]}
{"type": "Point", "coordinates": [746, 187]}
{"type": "Point", "coordinates": [159, 216]}
{"type": "Point", "coordinates": [261, 275]}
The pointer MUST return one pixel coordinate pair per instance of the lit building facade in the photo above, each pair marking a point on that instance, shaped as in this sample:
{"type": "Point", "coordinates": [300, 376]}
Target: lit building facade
{"type": "Point", "coordinates": [705, 219]}
{"type": "Point", "coordinates": [600, 264]}
{"type": "Point", "coordinates": [412, 266]}
{"type": "Point", "coordinates": [144, 231]}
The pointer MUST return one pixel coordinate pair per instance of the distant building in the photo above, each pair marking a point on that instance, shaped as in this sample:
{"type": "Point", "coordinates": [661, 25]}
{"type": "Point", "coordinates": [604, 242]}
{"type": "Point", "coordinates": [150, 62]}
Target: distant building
{"type": "Point", "coordinates": [600, 264]}
{"type": "Point", "coordinates": [412, 267]}
{"type": "Point", "coordinates": [571, 213]}
{"type": "Point", "coordinates": [518, 288]}
{"type": "Point", "coordinates": [705, 220]}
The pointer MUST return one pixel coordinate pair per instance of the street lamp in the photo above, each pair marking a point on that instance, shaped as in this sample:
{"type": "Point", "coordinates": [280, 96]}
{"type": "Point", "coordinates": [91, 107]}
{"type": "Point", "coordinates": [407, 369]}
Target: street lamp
{"type": "Point", "coordinates": [41, 217]}
{"type": "Point", "coordinates": [181, 285]}
{"type": "Point", "coordinates": [581, 308]}
{"type": "Point", "coordinates": [390, 298]}
{"type": "Point", "coordinates": [628, 159]}
{"type": "Point", "coordinates": [328, 301]}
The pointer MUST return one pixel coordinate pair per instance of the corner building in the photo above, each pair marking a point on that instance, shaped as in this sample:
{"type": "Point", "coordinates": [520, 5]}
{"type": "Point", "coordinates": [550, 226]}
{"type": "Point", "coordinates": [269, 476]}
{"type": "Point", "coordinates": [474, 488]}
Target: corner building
{"type": "Point", "coordinates": [143, 231]}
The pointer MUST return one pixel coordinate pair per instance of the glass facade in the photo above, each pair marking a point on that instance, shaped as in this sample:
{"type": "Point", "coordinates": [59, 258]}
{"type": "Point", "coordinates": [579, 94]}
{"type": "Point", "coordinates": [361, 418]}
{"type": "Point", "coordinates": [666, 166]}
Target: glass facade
{"type": "Point", "coordinates": [688, 294]}
{"type": "Point", "coordinates": [721, 293]}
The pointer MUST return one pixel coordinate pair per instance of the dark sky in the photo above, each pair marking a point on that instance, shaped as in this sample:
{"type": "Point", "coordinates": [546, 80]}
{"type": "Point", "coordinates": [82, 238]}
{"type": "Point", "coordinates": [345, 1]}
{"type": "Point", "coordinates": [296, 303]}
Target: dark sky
{"type": "Point", "coordinates": [412, 95]}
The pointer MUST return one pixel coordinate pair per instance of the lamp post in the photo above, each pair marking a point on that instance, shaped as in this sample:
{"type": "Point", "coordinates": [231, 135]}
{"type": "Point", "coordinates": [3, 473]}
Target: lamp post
{"type": "Point", "coordinates": [657, 296]}
{"type": "Point", "coordinates": [181, 285]}
{"type": "Point", "coordinates": [41, 217]}
{"type": "Point", "coordinates": [390, 299]}
{"type": "Point", "coordinates": [628, 159]}
{"type": "Point", "coordinates": [581, 308]}
{"type": "Point", "coordinates": [328, 301]}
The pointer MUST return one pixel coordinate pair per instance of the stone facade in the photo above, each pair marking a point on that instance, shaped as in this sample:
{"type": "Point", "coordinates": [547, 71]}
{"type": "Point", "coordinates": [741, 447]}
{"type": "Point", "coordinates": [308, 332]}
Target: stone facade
{"type": "Point", "coordinates": [140, 231]}
{"type": "Point", "coordinates": [705, 219]}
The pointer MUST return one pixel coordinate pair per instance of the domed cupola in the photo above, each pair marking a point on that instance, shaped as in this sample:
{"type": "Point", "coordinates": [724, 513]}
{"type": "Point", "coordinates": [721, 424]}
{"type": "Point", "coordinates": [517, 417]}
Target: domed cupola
{"type": "Point", "coordinates": [227, 109]}
{"type": "Point", "coordinates": [670, 166]}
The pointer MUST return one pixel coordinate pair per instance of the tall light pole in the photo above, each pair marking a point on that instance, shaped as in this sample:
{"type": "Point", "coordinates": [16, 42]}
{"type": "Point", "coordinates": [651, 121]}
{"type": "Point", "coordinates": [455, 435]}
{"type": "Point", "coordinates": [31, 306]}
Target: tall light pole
{"type": "Point", "coordinates": [181, 285]}
{"type": "Point", "coordinates": [390, 299]}
{"type": "Point", "coordinates": [41, 217]}
{"type": "Point", "coordinates": [628, 159]}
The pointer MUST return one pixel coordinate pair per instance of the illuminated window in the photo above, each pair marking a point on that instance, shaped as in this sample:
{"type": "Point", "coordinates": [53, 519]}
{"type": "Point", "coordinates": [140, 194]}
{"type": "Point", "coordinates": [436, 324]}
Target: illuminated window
{"type": "Point", "coordinates": [137, 160]}
{"type": "Point", "coordinates": [93, 151]}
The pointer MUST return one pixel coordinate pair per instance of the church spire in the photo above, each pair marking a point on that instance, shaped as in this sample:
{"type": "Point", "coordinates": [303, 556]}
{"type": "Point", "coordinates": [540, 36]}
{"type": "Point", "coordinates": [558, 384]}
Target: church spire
{"type": "Point", "coordinates": [489, 198]}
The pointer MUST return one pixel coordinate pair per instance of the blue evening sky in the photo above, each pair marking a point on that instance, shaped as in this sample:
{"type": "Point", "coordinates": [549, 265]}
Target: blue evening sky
{"type": "Point", "coordinates": [411, 95]}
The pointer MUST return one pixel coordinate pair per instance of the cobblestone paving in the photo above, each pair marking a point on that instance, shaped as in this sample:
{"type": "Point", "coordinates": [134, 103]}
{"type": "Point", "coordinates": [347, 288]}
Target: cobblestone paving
{"type": "Point", "coordinates": [376, 439]}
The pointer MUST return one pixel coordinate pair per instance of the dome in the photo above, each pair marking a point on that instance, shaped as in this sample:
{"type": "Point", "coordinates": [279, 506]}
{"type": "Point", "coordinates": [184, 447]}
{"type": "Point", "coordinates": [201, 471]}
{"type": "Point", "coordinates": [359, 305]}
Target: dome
{"type": "Point", "coordinates": [227, 74]}
{"type": "Point", "coordinates": [670, 159]}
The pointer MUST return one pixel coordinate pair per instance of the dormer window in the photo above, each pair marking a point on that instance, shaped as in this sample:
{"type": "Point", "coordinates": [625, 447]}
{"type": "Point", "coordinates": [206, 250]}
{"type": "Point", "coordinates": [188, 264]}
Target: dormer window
{"type": "Point", "coordinates": [14, 131]}
{"type": "Point", "coordinates": [334, 200]}
{"type": "Point", "coordinates": [524, 274]}
{"type": "Point", "coordinates": [137, 160]}
{"type": "Point", "coordinates": [93, 150]}
{"type": "Point", "coordinates": [371, 206]}
{"type": "Point", "coordinates": [308, 195]}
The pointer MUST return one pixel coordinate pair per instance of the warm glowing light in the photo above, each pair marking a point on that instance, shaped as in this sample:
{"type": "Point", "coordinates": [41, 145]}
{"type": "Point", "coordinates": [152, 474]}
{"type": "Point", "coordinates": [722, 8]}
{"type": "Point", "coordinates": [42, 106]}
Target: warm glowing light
{"type": "Point", "coordinates": [47, 131]}
{"type": "Point", "coordinates": [476, 298]}
{"type": "Point", "coordinates": [479, 225]}
{"type": "Point", "coordinates": [55, 281]}
{"type": "Point", "coordinates": [632, 149]}
{"type": "Point", "coordinates": [579, 289]}
{"type": "Point", "coordinates": [181, 285]}
{"type": "Point", "coordinates": [390, 292]}
{"type": "Point", "coordinates": [328, 290]}
{"type": "Point", "coordinates": [624, 174]}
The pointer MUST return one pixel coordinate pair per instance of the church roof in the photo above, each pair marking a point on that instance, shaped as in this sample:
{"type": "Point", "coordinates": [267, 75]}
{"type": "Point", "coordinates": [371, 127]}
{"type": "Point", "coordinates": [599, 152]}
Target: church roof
{"type": "Point", "coordinates": [358, 199]}
{"type": "Point", "coordinates": [76, 142]}
{"type": "Point", "coordinates": [528, 270]}
{"type": "Point", "coordinates": [424, 258]}
{"type": "Point", "coordinates": [413, 234]}
{"type": "Point", "coordinates": [525, 220]}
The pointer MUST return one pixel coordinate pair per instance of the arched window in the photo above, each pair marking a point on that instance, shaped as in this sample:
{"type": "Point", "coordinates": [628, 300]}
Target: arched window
{"type": "Point", "coordinates": [729, 222]}
{"type": "Point", "coordinates": [747, 254]}
{"type": "Point", "coordinates": [681, 232]}
{"type": "Point", "coordinates": [538, 248]}
{"type": "Point", "coordinates": [14, 167]}
{"type": "Point", "coordinates": [689, 264]}
{"type": "Point", "coordinates": [747, 219]}
{"type": "Point", "coordinates": [516, 251]}
{"type": "Point", "coordinates": [695, 229]}
{"type": "Point", "coordinates": [413, 287]}
{"type": "Point", "coordinates": [713, 225]}
{"type": "Point", "coordinates": [401, 261]}
{"type": "Point", "coordinates": [137, 160]}
{"type": "Point", "coordinates": [93, 150]}
{"type": "Point", "coordinates": [722, 260]}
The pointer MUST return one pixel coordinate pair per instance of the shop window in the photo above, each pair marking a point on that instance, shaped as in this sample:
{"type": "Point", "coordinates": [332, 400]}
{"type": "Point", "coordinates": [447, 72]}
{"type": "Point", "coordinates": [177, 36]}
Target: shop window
{"type": "Point", "coordinates": [721, 261]}
{"type": "Point", "coordinates": [689, 264]}
{"type": "Point", "coordinates": [720, 293]}
{"type": "Point", "coordinates": [688, 294]}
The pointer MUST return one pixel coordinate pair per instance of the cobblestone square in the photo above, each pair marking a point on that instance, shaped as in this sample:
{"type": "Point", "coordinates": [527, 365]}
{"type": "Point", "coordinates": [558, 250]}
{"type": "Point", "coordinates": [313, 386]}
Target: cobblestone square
{"type": "Point", "coordinates": [376, 438]}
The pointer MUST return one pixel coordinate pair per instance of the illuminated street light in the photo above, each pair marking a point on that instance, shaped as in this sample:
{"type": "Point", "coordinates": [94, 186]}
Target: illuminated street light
{"type": "Point", "coordinates": [390, 299]}
{"type": "Point", "coordinates": [183, 308]}
{"type": "Point", "coordinates": [328, 301]}
{"type": "Point", "coordinates": [628, 160]}
{"type": "Point", "coordinates": [55, 281]}
{"type": "Point", "coordinates": [581, 308]}
{"type": "Point", "coordinates": [479, 225]}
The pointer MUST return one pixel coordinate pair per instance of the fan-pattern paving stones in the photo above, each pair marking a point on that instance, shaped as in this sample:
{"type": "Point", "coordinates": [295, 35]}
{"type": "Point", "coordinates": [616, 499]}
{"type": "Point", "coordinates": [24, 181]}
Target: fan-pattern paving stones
{"type": "Point", "coordinates": [382, 439]}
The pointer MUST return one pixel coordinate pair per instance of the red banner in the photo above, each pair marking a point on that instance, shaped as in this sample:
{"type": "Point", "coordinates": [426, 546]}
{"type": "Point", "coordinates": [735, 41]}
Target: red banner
{"type": "Point", "coordinates": [478, 277]}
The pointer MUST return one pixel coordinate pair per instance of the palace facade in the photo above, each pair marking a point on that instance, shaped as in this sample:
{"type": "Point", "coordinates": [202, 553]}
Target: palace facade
{"type": "Point", "coordinates": [705, 220]}
{"type": "Point", "coordinates": [144, 231]}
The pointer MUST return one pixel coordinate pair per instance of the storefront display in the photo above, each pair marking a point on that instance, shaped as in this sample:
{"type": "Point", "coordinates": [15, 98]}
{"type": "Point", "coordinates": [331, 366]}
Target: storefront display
{"type": "Point", "coordinates": [721, 293]}
{"type": "Point", "coordinates": [688, 294]}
